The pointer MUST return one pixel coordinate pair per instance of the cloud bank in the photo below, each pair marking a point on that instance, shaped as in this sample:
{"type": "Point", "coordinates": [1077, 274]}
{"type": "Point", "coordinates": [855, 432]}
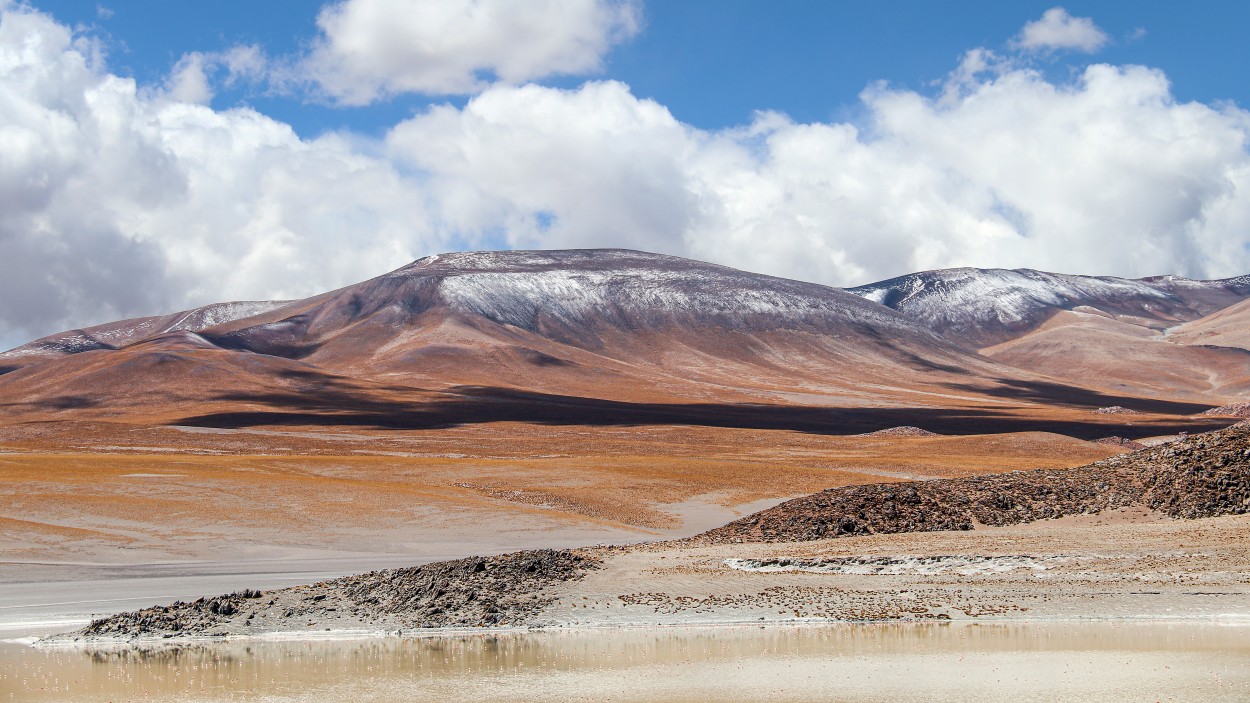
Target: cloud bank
{"type": "Point", "coordinates": [118, 199]}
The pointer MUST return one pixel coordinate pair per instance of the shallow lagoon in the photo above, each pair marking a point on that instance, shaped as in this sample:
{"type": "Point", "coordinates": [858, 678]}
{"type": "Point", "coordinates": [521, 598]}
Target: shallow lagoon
{"type": "Point", "coordinates": [1086, 661]}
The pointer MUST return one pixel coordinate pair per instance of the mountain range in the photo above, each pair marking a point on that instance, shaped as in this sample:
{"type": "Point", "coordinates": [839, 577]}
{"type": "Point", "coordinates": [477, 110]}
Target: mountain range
{"type": "Point", "coordinates": [563, 335]}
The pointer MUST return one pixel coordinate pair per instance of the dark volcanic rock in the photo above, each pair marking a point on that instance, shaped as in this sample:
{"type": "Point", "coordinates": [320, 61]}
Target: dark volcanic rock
{"type": "Point", "coordinates": [468, 592]}
{"type": "Point", "coordinates": [1199, 476]}
{"type": "Point", "coordinates": [473, 592]}
{"type": "Point", "coordinates": [179, 618]}
{"type": "Point", "coordinates": [1202, 475]}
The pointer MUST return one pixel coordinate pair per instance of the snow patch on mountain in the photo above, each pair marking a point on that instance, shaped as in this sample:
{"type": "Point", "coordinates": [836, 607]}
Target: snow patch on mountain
{"type": "Point", "coordinates": [220, 313]}
{"type": "Point", "coordinates": [1004, 295]}
{"type": "Point", "coordinates": [119, 334]}
{"type": "Point", "coordinates": [580, 285]}
{"type": "Point", "coordinates": [980, 303]}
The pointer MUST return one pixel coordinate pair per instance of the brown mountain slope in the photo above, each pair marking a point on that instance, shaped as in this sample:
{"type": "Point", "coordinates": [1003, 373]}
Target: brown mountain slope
{"type": "Point", "coordinates": [1229, 327]}
{"type": "Point", "coordinates": [1093, 349]}
{"type": "Point", "coordinates": [485, 335]}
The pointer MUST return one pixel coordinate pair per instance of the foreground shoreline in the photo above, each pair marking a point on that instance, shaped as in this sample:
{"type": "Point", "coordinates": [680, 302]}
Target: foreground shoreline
{"type": "Point", "coordinates": [1163, 531]}
{"type": "Point", "coordinates": [1223, 620]}
{"type": "Point", "coordinates": [1032, 662]}
{"type": "Point", "coordinates": [1125, 568]}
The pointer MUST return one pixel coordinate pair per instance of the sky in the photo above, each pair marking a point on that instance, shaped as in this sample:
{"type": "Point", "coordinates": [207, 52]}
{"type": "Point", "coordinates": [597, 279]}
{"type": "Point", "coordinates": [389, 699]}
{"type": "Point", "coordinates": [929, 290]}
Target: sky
{"type": "Point", "coordinates": [156, 156]}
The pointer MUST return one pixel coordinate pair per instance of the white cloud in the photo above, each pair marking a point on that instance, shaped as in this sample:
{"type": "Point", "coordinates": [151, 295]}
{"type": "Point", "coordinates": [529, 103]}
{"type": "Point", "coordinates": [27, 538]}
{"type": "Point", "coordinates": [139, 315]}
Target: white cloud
{"type": "Point", "coordinates": [117, 200]}
{"type": "Point", "coordinates": [242, 63]}
{"type": "Point", "coordinates": [192, 78]}
{"type": "Point", "coordinates": [608, 166]}
{"type": "Point", "coordinates": [188, 81]}
{"type": "Point", "coordinates": [1109, 175]}
{"type": "Point", "coordinates": [370, 49]}
{"type": "Point", "coordinates": [1059, 30]}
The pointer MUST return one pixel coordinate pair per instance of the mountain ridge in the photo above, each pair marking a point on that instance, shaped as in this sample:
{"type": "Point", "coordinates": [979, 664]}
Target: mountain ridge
{"type": "Point", "coordinates": [984, 307]}
{"type": "Point", "coordinates": [618, 325]}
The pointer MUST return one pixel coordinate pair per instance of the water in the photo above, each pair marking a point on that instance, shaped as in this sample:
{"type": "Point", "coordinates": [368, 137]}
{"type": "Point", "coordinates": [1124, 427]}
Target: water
{"type": "Point", "coordinates": [895, 663]}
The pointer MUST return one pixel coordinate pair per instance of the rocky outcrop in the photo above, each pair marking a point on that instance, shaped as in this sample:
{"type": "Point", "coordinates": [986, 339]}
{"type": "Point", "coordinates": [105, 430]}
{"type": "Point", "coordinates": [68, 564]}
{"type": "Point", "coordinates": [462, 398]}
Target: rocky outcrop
{"type": "Point", "coordinates": [903, 431]}
{"type": "Point", "coordinates": [1121, 443]}
{"type": "Point", "coordinates": [474, 592]}
{"type": "Point", "coordinates": [1201, 475]}
{"type": "Point", "coordinates": [501, 590]}
{"type": "Point", "coordinates": [1196, 476]}
{"type": "Point", "coordinates": [1232, 410]}
{"type": "Point", "coordinates": [1115, 410]}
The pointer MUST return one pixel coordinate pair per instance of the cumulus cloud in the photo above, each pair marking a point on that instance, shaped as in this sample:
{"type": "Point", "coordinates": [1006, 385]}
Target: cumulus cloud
{"type": "Point", "coordinates": [188, 81]}
{"type": "Point", "coordinates": [370, 49]}
{"type": "Point", "coordinates": [118, 200]}
{"type": "Point", "coordinates": [1107, 175]}
{"type": "Point", "coordinates": [1059, 30]}
{"type": "Point", "coordinates": [193, 77]}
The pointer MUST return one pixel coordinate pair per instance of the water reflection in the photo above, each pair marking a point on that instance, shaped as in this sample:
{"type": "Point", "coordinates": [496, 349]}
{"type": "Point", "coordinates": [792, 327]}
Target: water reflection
{"type": "Point", "coordinates": [1092, 661]}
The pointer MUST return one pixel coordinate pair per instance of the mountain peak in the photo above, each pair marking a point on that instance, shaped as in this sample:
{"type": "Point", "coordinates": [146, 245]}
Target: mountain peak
{"type": "Point", "coordinates": [538, 260]}
{"type": "Point", "coordinates": [981, 307]}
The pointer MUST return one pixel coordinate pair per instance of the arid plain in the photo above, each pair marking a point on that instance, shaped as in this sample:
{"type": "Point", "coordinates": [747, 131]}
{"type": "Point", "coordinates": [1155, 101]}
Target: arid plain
{"type": "Point", "coordinates": [476, 404]}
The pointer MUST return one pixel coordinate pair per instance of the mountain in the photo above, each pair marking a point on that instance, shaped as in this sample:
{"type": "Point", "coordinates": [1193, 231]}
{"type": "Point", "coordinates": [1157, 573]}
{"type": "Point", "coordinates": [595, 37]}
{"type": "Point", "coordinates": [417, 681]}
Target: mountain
{"type": "Point", "coordinates": [617, 325]}
{"type": "Point", "coordinates": [1229, 328]}
{"type": "Point", "coordinates": [1095, 349]}
{"type": "Point", "coordinates": [1155, 337]}
{"type": "Point", "coordinates": [115, 335]}
{"type": "Point", "coordinates": [984, 307]}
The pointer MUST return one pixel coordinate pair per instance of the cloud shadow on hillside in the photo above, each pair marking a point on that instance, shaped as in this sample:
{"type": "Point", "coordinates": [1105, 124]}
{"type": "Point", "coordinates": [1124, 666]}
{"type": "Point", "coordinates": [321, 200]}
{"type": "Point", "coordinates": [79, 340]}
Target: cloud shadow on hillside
{"type": "Point", "coordinates": [339, 403]}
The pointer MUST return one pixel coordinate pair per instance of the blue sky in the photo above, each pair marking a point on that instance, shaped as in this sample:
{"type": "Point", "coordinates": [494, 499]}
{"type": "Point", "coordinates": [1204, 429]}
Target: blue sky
{"type": "Point", "coordinates": [164, 155]}
{"type": "Point", "coordinates": [714, 62]}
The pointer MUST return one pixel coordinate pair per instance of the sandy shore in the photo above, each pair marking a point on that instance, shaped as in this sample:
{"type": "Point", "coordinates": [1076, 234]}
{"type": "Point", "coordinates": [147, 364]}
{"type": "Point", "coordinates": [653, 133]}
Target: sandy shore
{"type": "Point", "coordinates": [1128, 565]}
{"type": "Point", "coordinates": [1036, 662]}
{"type": "Point", "coordinates": [38, 598]}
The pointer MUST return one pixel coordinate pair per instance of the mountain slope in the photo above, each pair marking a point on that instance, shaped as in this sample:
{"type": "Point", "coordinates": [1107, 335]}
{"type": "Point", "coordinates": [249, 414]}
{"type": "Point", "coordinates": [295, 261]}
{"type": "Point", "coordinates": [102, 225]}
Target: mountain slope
{"type": "Point", "coordinates": [1094, 349]}
{"type": "Point", "coordinates": [608, 336]}
{"type": "Point", "coordinates": [1229, 327]}
{"type": "Point", "coordinates": [983, 307]}
{"type": "Point", "coordinates": [608, 324]}
{"type": "Point", "coordinates": [571, 315]}
{"type": "Point", "coordinates": [115, 335]}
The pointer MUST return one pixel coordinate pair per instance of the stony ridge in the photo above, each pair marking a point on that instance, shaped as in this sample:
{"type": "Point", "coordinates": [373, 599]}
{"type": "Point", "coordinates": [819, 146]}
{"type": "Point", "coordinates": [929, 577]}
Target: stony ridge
{"type": "Point", "coordinates": [1205, 475]}
{"type": "Point", "coordinates": [473, 592]}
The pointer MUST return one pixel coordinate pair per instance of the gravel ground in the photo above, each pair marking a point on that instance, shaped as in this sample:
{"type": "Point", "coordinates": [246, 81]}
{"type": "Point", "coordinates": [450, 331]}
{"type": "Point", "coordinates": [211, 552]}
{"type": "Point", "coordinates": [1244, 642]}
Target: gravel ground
{"type": "Point", "coordinates": [1196, 476]}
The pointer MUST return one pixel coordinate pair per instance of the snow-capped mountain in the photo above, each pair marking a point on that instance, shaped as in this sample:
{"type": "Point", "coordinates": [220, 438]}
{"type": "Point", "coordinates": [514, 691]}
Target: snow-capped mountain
{"type": "Point", "coordinates": [599, 323]}
{"type": "Point", "coordinates": [573, 296]}
{"type": "Point", "coordinates": [982, 307]}
{"type": "Point", "coordinates": [647, 330]}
